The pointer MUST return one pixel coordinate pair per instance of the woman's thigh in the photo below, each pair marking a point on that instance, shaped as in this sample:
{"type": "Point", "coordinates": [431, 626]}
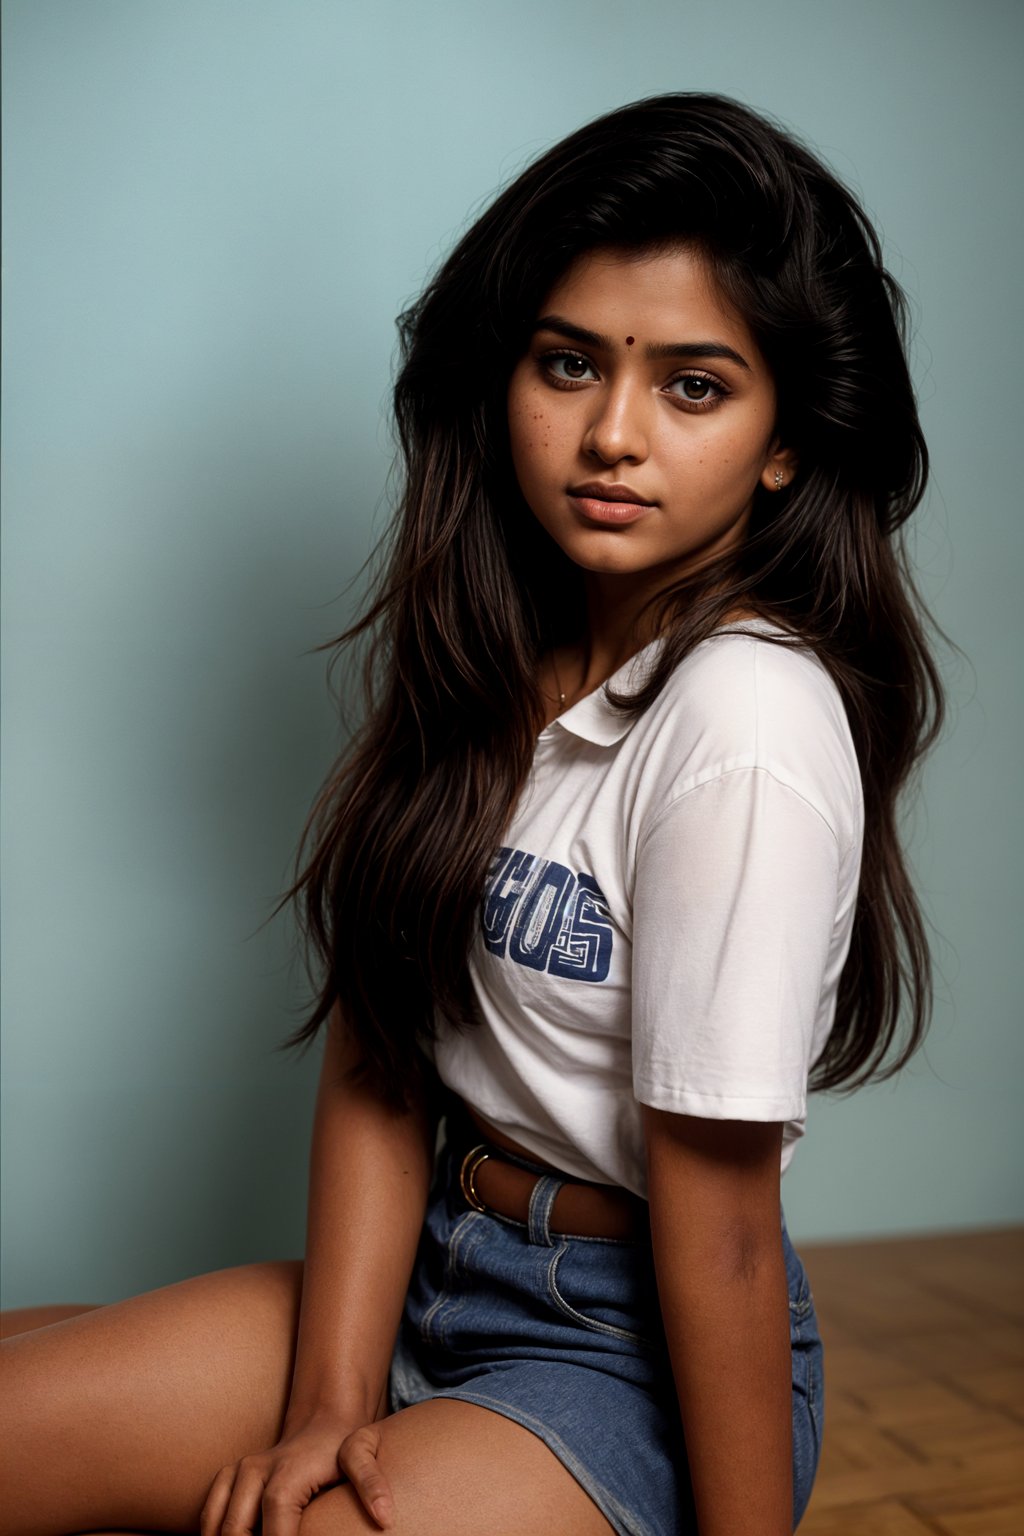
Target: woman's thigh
{"type": "Point", "coordinates": [120, 1417]}
{"type": "Point", "coordinates": [123, 1415]}
{"type": "Point", "coordinates": [22, 1319]}
{"type": "Point", "coordinates": [457, 1469]}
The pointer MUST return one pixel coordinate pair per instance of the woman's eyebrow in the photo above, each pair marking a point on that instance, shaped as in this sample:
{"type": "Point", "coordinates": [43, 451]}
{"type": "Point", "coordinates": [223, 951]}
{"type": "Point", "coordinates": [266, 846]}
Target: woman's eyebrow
{"type": "Point", "coordinates": [687, 349]}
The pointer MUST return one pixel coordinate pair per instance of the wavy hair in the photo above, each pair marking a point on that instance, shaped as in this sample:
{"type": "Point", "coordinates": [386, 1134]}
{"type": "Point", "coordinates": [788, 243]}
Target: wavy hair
{"type": "Point", "coordinates": [470, 591]}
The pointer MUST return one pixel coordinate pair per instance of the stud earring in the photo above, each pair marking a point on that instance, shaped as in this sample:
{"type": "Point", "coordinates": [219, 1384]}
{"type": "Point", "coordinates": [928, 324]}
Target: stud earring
{"type": "Point", "coordinates": [780, 479]}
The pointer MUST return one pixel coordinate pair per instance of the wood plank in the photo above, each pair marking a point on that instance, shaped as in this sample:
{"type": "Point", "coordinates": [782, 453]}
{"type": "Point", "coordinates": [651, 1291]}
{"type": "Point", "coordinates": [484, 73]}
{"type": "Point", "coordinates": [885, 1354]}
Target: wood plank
{"type": "Point", "coordinates": [959, 1435]}
{"type": "Point", "coordinates": [997, 1510]}
{"type": "Point", "coordinates": [863, 1446]}
{"type": "Point", "coordinates": [886, 1518]}
{"type": "Point", "coordinates": [1000, 1386]}
{"type": "Point", "coordinates": [913, 1481]}
{"type": "Point", "coordinates": [982, 1345]}
{"type": "Point", "coordinates": [992, 1520]}
{"type": "Point", "coordinates": [861, 1367]}
{"type": "Point", "coordinates": [924, 1386]}
{"type": "Point", "coordinates": [894, 1308]}
{"type": "Point", "coordinates": [916, 1402]}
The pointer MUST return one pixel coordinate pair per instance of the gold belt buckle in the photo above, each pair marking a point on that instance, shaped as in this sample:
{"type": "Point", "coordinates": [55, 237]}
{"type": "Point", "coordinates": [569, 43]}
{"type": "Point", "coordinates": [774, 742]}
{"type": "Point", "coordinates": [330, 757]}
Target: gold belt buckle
{"type": "Point", "coordinates": [470, 1163]}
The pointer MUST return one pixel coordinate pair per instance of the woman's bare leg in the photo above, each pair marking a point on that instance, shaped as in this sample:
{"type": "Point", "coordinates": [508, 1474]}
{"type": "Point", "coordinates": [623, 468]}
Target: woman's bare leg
{"type": "Point", "coordinates": [24, 1319]}
{"type": "Point", "coordinates": [459, 1470]}
{"type": "Point", "coordinates": [122, 1416]}
{"type": "Point", "coordinates": [118, 1419]}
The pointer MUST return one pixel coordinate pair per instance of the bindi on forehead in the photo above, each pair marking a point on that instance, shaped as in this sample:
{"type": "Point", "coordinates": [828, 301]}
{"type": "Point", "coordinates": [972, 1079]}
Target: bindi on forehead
{"type": "Point", "coordinates": [630, 340]}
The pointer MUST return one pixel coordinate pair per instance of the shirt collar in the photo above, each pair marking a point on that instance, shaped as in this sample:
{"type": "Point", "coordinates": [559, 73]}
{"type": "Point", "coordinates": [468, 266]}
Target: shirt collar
{"type": "Point", "coordinates": [592, 718]}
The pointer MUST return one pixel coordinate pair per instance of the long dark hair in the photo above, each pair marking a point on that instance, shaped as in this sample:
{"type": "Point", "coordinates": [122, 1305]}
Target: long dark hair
{"type": "Point", "coordinates": [392, 865]}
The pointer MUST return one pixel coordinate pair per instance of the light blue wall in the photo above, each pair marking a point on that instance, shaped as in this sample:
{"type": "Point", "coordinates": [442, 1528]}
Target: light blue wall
{"type": "Point", "coordinates": [213, 211]}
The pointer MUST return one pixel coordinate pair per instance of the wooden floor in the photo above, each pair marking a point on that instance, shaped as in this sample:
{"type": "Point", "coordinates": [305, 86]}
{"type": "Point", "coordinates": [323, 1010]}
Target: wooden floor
{"type": "Point", "coordinates": [924, 1401]}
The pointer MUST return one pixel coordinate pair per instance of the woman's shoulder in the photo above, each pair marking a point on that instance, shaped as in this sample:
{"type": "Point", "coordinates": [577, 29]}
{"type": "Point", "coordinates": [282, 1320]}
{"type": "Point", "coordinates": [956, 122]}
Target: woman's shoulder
{"type": "Point", "coordinates": [751, 673]}
{"type": "Point", "coordinates": [743, 701]}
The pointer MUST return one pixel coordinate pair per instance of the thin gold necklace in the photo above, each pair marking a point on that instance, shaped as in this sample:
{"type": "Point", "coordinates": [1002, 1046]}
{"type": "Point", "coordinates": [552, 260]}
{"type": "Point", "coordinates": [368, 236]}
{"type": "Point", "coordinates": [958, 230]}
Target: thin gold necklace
{"type": "Point", "coordinates": [558, 684]}
{"type": "Point", "coordinates": [558, 681]}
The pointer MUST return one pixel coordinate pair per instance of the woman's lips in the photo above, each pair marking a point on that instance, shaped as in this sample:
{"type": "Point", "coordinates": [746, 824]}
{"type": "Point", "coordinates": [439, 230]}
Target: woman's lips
{"type": "Point", "coordinates": [614, 512]}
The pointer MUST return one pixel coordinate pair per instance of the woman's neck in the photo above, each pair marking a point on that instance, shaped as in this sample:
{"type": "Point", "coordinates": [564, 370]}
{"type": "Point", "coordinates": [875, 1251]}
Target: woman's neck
{"type": "Point", "coordinates": [618, 626]}
{"type": "Point", "coordinates": [611, 636]}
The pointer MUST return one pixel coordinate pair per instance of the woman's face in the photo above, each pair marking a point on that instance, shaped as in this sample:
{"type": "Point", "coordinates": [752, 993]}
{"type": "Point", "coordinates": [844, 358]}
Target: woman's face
{"type": "Point", "coordinates": [642, 416]}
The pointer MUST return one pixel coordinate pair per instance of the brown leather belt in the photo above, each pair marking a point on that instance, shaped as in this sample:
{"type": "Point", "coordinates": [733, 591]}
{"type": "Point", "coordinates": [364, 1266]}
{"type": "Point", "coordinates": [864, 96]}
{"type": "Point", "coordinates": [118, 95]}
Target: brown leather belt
{"type": "Point", "coordinates": [490, 1182]}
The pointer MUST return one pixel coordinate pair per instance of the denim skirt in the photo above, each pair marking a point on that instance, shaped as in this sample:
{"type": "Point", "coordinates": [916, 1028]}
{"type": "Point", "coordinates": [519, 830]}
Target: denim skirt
{"type": "Point", "coordinates": [564, 1335]}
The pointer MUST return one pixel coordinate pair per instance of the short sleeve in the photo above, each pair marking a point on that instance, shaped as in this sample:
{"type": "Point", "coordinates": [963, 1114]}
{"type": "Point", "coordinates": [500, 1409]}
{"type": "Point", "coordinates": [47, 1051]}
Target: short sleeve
{"type": "Point", "coordinates": [734, 910]}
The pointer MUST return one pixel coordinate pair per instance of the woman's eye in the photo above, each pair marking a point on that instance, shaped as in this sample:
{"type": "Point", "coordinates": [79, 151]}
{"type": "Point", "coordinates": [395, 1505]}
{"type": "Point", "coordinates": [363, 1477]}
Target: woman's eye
{"type": "Point", "coordinates": [697, 389]}
{"type": "Point", "coordinates": [567, 367]}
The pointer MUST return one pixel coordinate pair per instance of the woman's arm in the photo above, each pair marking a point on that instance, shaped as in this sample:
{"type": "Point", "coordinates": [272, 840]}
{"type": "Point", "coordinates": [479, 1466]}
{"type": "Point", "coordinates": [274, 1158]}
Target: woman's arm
{"type": "Point", "coordinates": [716, 1225]}
{"type": "Point", "coordinates": [370, 1170]}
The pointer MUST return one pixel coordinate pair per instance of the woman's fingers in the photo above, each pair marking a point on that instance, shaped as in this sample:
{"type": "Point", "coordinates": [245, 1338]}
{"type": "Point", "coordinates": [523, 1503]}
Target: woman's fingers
{"type": "Point", "coordinates": [284, 1500]}
{"type": "Point", "coordinates": [358, 1458]}
{"type": "Point", "coordinates": [277, 1486]}
{"type": "Point", "coordinates": [212, 1515]}
{"type": "Point", "coordinates": [237, 1512]}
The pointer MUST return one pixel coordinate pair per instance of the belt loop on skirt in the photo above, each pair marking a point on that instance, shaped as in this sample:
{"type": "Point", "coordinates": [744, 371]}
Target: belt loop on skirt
{"type": "Point", "coordinates": [542, 1198]}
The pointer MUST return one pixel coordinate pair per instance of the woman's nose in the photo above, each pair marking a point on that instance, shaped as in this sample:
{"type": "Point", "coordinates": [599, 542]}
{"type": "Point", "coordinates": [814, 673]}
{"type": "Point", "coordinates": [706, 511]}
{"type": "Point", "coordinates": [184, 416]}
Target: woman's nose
{"type": "Point", "coordinates": [618, 427]}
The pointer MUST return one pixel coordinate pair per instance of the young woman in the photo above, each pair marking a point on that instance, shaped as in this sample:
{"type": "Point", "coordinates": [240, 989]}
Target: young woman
{"type": "Point", "coordinates": [609, 878]}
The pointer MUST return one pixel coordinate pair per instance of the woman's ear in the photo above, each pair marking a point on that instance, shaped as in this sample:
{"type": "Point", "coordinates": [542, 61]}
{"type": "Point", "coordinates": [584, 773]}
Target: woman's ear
{"type": "Point", "coordinates": [779, 468]}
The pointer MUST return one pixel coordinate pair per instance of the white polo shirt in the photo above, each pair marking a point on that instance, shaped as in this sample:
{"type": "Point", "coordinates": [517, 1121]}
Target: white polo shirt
{"type": "Point", "coordinates": [668, 916]}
